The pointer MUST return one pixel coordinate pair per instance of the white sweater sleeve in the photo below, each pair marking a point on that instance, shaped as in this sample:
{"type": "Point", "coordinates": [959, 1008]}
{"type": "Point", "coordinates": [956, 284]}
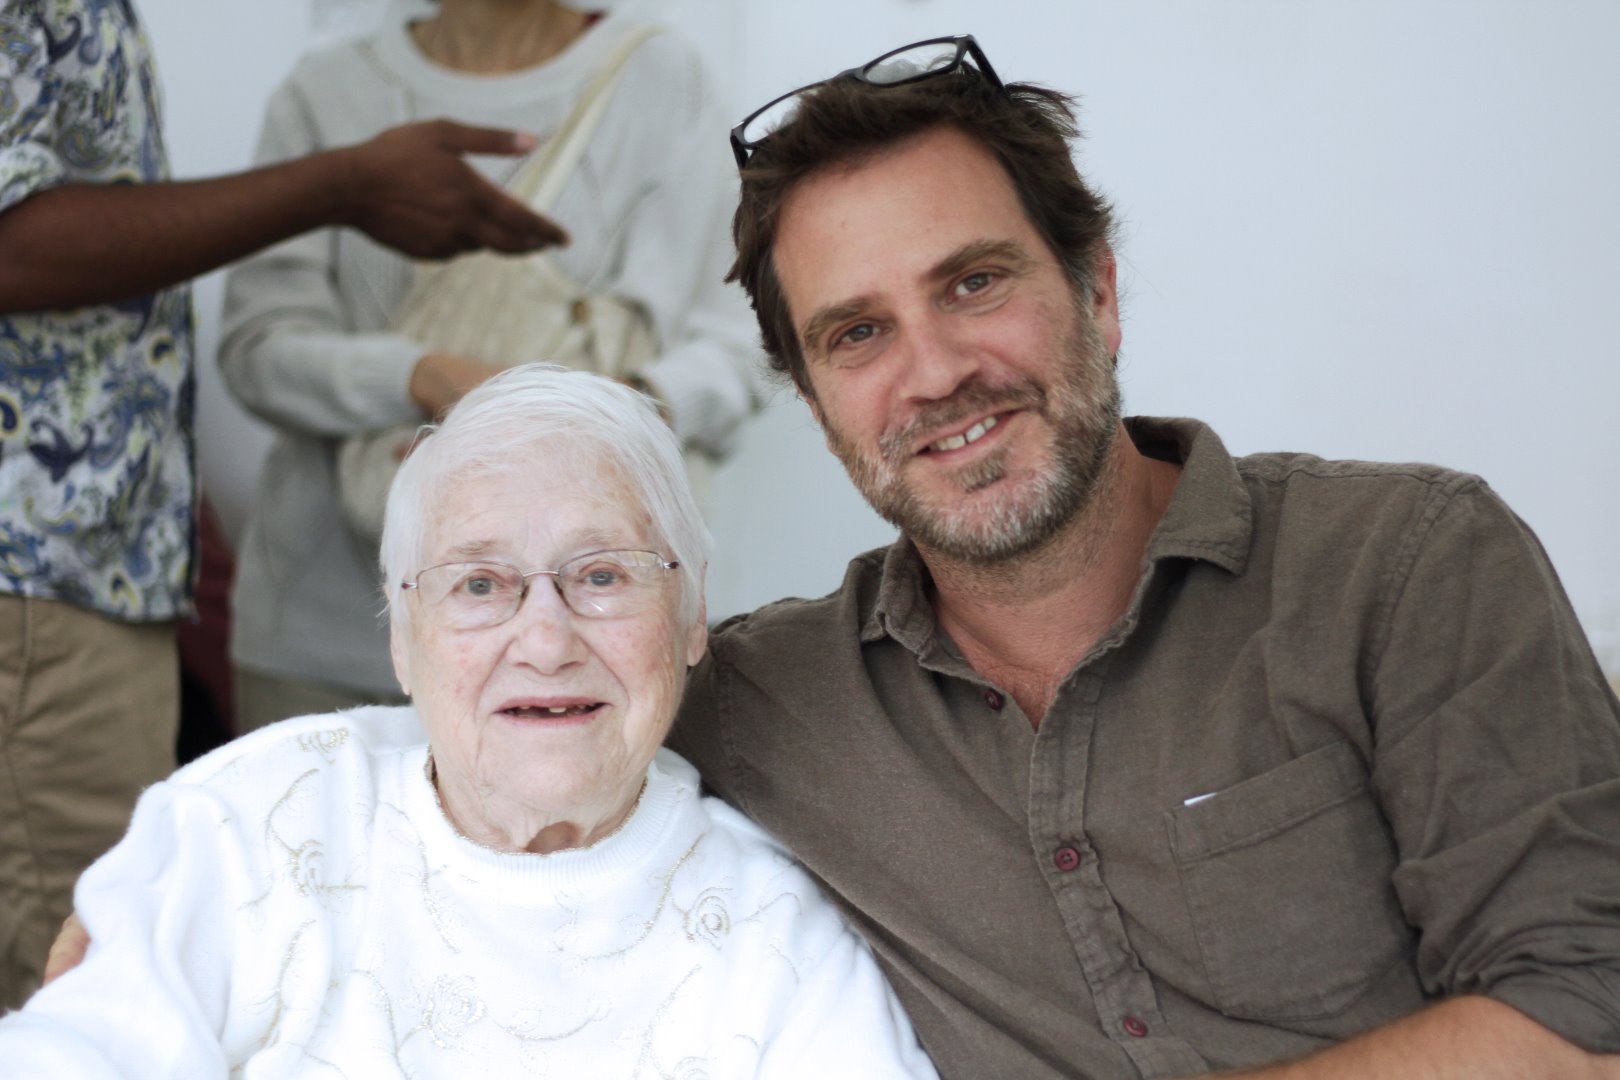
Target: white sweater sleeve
{"type": "Point", "coordinates": [150, 999]}
{"type": "Point", "coordinates": [292, 350]}
{"type": "Point", "coordinates": [845, 1021]}
{"type": "Point", "coordinates": [664, 130]}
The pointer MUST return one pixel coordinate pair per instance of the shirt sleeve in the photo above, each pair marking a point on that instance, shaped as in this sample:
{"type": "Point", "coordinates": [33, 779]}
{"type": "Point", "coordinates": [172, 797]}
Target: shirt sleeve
{"type": "Point", "coordinates": [289, 350]}
{"type": "Point", "coordinates": [150, 997]}
{"type": "Point", "coordinates": [1497, 762]}
{"type": "Point", "coordinates": [664, 124]}
{"type": "Point", "coordinates": [29, 88]}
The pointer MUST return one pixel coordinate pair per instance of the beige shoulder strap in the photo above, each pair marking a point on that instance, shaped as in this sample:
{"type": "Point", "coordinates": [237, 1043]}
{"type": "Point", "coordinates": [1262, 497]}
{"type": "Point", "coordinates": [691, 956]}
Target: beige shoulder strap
{"type": "Point", "coordinates": [541, 179]}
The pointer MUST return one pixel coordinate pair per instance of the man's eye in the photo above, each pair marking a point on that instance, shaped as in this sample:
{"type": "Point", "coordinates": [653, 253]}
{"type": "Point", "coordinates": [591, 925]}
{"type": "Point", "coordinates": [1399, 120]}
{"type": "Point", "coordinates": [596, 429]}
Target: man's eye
{"type": "Point", "coordinates": [976, 282]}
{"type": "Point", "coordinates": [855, 335]}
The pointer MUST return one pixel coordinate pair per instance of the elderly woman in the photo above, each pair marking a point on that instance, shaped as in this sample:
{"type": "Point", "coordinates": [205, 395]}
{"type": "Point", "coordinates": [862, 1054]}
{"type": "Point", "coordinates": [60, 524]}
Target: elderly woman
{"type": "Point", "coordinates": [535, 888]}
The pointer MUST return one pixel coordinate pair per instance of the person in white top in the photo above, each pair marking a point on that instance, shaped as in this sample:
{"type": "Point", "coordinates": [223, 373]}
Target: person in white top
{"type": "Point", "coordinates": [535, 888]}
{"type": "Point", "coordinates": [307, 343]}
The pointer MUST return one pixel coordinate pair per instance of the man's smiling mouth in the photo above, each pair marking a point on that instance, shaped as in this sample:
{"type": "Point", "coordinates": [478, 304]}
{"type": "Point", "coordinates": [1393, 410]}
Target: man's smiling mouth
{"type": "Point", "coordinates": [971, 435]}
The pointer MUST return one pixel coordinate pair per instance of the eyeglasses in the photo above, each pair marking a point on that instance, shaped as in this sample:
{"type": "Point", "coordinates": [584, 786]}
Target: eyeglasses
{"type": "Point", "coordinates": [600, 585]}
{"type": "Point", "coordinates": [907, 64]}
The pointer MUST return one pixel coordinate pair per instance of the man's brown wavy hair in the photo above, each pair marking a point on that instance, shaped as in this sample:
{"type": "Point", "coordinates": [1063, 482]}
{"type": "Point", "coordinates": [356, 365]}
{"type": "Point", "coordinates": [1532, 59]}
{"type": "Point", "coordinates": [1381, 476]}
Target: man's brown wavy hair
{"type": "Point", "coordinates": [1028, 128]}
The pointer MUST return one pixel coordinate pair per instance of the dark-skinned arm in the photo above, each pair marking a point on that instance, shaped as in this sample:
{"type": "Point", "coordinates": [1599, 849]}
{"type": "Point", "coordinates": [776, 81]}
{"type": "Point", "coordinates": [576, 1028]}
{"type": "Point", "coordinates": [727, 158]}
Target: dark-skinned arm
{"type": "Point", "coordinates": [407, 188]}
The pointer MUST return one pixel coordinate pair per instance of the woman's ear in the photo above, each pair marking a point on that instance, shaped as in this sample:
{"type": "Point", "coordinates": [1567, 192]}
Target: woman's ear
{"type": "Point", "coordinates": [697, 635]}
{"type": "Point", "coordinates": [397, 652]}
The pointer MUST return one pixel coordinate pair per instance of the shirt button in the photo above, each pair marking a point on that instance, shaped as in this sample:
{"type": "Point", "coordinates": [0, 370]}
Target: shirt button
{"type": "Point", "coordinates": [1134, 1027]}
{"type": "Point", "coordinates": [1067, 858]}
{"type": "Point", "coordinates": [994, 700]}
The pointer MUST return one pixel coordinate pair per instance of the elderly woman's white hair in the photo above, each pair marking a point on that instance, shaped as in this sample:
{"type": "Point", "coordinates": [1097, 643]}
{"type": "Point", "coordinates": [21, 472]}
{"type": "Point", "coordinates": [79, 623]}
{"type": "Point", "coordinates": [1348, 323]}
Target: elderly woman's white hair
{"type": "Point", "coordinates": [501, 424]}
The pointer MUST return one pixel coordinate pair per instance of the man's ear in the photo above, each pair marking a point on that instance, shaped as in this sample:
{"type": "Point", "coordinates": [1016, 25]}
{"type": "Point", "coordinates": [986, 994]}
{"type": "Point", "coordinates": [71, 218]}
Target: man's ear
{"type": "Point", "coordinates": [1103, 298]}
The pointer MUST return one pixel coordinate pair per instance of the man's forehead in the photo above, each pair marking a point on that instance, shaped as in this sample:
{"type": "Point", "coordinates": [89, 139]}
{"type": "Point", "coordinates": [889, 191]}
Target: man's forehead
{"type": "Point", "coordinates": [856, 230]}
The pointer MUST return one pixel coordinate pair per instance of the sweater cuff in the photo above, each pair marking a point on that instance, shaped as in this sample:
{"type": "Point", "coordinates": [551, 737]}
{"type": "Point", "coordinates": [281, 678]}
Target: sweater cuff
{"type": "Point", "coordinates": [705, 406]}
{"type": "Point", "coordinates": [378, 376]}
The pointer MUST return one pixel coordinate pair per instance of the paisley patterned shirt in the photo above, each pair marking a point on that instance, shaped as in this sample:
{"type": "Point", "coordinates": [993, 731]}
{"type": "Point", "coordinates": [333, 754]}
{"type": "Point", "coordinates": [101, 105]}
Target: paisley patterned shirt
{"type": "Point", "coordinates": [97, 469]}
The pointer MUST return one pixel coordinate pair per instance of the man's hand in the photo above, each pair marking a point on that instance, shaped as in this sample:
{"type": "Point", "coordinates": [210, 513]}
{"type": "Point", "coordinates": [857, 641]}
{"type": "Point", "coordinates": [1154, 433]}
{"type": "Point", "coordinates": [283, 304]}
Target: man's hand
{"type": "Point", "coordinates": [409, 188]}
{"type": "Point", "coordinates": [441, 379]}
{"type": "Point", "coordinates": [67, 951]}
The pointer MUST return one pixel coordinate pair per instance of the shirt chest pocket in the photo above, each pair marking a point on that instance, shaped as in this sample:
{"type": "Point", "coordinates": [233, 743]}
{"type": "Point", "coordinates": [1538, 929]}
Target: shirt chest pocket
{"type": "Point", "coordinates": [1287, 879]}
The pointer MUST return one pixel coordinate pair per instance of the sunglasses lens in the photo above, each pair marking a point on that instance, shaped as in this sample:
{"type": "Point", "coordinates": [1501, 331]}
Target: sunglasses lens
{"type": "Point", "coordinates": [918, 61]}
{"type": "Point", "coordinates": [773, 116]}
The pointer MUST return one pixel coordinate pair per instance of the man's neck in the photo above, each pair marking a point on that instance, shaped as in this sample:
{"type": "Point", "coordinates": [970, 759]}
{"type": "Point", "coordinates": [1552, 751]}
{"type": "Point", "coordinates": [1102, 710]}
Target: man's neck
{"type": "Point", "coordinates": [1026, 622]}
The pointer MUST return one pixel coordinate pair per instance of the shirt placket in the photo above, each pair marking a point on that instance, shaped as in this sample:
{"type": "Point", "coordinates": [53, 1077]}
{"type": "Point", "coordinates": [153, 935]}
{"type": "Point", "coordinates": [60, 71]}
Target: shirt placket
{"type": "Point", "coordinates": [1122, 991]}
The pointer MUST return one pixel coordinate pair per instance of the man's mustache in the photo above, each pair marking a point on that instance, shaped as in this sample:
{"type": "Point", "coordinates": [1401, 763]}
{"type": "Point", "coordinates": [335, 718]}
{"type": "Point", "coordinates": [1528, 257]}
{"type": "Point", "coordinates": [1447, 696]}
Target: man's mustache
{"type": "Point", "coordinates": [971, 399]}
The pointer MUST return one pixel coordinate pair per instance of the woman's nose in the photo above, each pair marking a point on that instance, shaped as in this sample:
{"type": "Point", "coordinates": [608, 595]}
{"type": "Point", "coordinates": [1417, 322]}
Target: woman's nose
{"type": "Point", "coordinates": [545, 633]}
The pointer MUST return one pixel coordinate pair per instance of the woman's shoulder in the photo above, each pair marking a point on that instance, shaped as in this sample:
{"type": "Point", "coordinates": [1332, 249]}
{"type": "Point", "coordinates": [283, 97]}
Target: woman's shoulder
{"type": "Point", "coordinates": [363, 741]}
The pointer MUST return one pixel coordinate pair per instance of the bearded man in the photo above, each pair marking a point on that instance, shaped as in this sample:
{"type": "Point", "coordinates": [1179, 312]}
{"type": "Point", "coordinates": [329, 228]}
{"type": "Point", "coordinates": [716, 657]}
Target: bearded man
{"type": "Point", "coordinates": [1132, 758]}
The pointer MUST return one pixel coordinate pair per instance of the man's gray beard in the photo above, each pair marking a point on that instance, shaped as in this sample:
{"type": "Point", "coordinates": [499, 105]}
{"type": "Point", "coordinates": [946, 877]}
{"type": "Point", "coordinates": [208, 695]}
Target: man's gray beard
{"type": "Point", "coordinates": [1084, 420]}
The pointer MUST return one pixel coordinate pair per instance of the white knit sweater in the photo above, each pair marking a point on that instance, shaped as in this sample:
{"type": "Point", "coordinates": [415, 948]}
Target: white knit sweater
{"type": "Point", "coordinates": [305, 343]}
{"type": "Point", "coordinates": [296, 904]}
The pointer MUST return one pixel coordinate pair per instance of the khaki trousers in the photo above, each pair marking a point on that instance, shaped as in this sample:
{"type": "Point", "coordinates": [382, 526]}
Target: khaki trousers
{"type": "Point", "coordinates": [88, 712]}
{"type": "Point", "coordinates": [263, 699]}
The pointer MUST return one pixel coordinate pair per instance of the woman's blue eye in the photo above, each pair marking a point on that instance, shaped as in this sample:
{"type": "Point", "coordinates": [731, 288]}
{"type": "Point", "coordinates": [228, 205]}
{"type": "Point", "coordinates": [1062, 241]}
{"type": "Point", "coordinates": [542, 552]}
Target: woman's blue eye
{"type": "Point", "coordinates": [602, 578]}
{"type": "Point", "coordinates": [479, 586]}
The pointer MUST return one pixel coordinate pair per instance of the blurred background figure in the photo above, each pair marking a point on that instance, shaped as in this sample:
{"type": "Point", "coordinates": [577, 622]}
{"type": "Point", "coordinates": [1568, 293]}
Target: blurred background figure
{"type": "Point", "coordinates": [98, 526]}
{"type": "Point", "coordinates": [306, 341]}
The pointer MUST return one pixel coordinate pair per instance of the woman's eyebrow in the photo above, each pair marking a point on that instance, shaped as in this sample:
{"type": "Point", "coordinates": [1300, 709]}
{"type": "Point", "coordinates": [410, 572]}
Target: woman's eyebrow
{"type": "Point", "coordinates": [473, 549]}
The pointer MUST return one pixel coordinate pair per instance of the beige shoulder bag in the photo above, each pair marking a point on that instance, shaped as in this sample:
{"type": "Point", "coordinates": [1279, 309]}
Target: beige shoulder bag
{"type": "Point", "coordinates": [507, 310]}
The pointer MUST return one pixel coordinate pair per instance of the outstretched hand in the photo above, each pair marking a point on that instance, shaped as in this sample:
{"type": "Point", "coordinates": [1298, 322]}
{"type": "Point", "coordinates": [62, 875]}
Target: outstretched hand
{"type": "Point", "coordinates": [409, 188]}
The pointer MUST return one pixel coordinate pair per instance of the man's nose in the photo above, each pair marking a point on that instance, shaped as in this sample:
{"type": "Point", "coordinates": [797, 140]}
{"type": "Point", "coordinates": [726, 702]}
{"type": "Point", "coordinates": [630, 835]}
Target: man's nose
{"type": "Point", "coordinates": [936, 358]}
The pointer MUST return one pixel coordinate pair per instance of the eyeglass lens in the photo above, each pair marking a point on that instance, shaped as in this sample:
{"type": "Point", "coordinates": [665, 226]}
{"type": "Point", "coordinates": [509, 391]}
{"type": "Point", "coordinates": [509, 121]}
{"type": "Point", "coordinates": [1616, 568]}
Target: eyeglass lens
{"type": "Point", "coordinates": [602, 584]}
{"type": "Point", "coordinates": [913, 62]}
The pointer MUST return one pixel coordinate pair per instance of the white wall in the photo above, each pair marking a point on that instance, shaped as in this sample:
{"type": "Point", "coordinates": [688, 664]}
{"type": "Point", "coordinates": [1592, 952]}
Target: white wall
{"type": "Point", "coordinates": [1385, 229]}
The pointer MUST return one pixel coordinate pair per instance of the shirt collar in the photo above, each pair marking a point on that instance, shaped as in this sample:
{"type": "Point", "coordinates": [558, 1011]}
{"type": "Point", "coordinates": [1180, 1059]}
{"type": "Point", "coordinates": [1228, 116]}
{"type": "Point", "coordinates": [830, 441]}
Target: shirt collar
{"type": "Point", "coordinates": [1209, 518]}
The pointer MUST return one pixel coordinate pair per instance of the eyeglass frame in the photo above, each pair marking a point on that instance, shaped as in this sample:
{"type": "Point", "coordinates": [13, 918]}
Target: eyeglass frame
{"type": "Point", "coordinates": [525, 576]}
{"type": "Point", "coordinates": [966, 45]}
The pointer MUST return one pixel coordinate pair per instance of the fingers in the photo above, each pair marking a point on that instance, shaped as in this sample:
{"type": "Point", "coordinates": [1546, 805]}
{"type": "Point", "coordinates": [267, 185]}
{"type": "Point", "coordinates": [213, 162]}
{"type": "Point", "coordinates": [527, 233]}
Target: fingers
{"type": "Point", "coordinates": [67, 951]}
{"type": "Point", "coordinates": [509, 226]}
{"type": "Point", "coordinates": [466, 139]}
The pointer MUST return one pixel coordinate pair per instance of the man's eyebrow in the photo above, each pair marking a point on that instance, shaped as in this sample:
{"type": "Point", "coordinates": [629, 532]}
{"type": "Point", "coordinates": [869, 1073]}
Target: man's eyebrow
{"type": "Point", "coordinates": [964, 258]}
{"type": "Point", "coordinates": [828, 317]}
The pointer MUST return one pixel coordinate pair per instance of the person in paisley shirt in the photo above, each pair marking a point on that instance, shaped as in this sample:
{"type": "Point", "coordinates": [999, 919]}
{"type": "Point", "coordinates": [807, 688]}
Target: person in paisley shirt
{"type": "Point", "coordinates": [97, 459]}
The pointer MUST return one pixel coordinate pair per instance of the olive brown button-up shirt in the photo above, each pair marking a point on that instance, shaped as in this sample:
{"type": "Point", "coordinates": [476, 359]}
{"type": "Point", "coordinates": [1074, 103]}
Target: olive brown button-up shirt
{"type": "Point", "coordinates": [1348, 751]}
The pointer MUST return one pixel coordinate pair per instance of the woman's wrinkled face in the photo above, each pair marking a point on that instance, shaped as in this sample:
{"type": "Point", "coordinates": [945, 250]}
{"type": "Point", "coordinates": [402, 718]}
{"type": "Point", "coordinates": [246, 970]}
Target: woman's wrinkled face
{"type": "Point", "coordinates": [550, 716]}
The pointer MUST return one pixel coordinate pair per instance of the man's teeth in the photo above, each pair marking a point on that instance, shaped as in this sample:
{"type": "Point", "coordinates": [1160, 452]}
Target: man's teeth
{"type": "Point", "coordinates": [972, 434]}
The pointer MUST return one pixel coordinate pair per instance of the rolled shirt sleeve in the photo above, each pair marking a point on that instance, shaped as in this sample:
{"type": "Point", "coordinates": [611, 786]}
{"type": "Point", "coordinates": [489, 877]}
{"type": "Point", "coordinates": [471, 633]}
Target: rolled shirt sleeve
{"type": "Point", "coordinates": [1497, 762]}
